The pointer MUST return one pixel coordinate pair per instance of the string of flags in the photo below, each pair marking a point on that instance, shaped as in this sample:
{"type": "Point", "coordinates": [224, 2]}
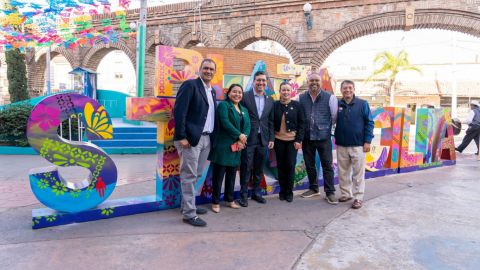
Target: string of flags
{"type": "Point", "coordinates": [29, 24]}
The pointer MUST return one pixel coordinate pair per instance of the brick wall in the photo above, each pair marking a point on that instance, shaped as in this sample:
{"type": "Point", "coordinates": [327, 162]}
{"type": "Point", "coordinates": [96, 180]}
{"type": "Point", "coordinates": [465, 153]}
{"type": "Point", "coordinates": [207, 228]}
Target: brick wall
{"type": "Point", "coordinates": [240, 62]}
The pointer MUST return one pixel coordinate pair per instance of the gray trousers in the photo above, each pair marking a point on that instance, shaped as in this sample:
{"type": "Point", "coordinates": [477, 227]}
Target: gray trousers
{"type": "Point", "coordinates": [192, 163]}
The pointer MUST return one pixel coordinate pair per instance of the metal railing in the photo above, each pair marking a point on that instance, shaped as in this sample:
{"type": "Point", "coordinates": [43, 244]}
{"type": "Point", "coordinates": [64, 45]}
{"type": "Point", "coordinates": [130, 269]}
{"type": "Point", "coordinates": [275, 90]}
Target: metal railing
{"type": "Point", "coordinates": [70, 130]}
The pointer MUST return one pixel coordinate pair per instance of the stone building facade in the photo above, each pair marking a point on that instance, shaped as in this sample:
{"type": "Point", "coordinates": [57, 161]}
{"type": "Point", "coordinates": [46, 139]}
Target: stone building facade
{"type": "Point", "coordinates": [237, 23]}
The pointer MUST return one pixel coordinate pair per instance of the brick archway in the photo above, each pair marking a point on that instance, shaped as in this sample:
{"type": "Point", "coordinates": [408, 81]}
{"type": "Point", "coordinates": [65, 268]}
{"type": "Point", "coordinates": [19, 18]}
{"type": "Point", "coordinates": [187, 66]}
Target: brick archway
{"type": "Point", "coordinates": [163, 40]}
{"type": "Point", "coordinates": [95, 54]}
{"type": "Point", "coordinates": [186, 40]}
{"type": "Point", "coordinates": [454, 20]}
{"type": "Point", "coordinates": [36, 82]}
{"type": "Point", "coordinates": [56, 51]}
{"type": "Point", "coordinates": [246, 35]}
{"type": "Point", "coordinates": [149, 77]}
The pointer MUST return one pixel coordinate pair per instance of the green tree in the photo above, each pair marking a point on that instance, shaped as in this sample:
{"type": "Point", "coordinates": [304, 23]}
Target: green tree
{"type": "Point", "coordinates": [391, 65]}
{"type": "Point", "coordinates": [16, 67]}
{"type": "Point", "coordinates": [17, 75]}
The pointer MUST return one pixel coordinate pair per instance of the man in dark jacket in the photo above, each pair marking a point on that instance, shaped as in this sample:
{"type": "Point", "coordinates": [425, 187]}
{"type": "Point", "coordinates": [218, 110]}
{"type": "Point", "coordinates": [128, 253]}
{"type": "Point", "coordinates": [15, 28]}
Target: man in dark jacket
{"type": "Point", "coordinates": [260, 111]}
{"type": "Point", "coordinates": [353, 135]}
{"type": "Point", "coordinates": [473, 130]}
{"type": "Point", "coordinates": [194, 115]}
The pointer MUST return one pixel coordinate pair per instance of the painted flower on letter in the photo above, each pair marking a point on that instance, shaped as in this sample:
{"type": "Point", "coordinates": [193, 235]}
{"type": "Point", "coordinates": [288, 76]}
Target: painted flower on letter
{"type": "Point", "coordinates": [46, 117]}
{"type": "Point", "coordinates": [166, 56]}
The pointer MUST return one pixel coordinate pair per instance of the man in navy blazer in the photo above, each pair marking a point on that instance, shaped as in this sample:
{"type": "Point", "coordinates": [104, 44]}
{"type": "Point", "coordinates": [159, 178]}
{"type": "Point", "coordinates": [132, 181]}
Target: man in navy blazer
{"type": "Point", "coordinates": [262, 135]}
{"type": "Point", "coordinates": [194, 114]}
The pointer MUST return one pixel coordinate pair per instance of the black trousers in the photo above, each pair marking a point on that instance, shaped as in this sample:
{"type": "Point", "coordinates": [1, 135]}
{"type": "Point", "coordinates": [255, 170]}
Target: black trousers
{"type": "Point", "coordinates": [324, 148]}
{"type": "Point", "coordinates": [219, 171]}
{"type": "Point", "coordinates": [286, 158]}
{"type": "Point", "coordinates": [472, 133]}
{"type": "Point", "coordinates": [252, 160]}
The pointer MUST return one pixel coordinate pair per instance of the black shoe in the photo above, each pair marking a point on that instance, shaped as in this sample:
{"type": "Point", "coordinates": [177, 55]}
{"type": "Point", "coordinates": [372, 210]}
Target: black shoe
{"type": "Point", "coordinates": [201, 211]}
{"type": "Point", "coordinates": [195, 221]}
{"type": "Point", "coordinates": [456, 149]}
{"type": "Point", "coordinates": [281, 196]}
{"type": "Point", "coordinates": [243, 202]}
{"type": "Point", "coordinates": [289, 198]}
{"type": "Point", "coordinates": [259, 199]}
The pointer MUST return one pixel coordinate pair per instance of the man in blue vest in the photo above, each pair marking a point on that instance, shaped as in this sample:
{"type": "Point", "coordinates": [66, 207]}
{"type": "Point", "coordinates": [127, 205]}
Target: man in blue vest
{"type": "Point", "coordinates": [353, 136]}
{"type": "Point", "coordinates": [473, 131]}
{"type": "Point", "coordinates": [194, 114]}
{"type": "Point", "coordinates": [320, 109]}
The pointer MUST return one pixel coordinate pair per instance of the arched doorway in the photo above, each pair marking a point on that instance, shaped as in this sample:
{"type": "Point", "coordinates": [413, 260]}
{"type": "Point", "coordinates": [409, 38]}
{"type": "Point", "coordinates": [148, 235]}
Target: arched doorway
{"type": "Point", "coordinates": [269, 46]}
{"type": "Point", "coordinates": [247, 36]}
{"type": "Point", "coordinates": [60, 80]}
{"type": "Point", "coordinates": [116, 72]}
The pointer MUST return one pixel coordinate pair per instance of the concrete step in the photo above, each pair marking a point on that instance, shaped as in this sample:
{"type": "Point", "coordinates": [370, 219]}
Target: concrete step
{"type": "Point", "coordinates": [134, 136]}
{"type": "Point", "coordinates": [126, 143]}
{"type": "Point", "coordinates": [140, 129]}
{"type": "Point", "coordinates": [130, 150]}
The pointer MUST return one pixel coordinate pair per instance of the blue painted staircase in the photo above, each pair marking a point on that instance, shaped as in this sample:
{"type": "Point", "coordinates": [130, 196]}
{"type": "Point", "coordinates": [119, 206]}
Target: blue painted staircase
{"type": "Point", "coordinates": [131, 140]}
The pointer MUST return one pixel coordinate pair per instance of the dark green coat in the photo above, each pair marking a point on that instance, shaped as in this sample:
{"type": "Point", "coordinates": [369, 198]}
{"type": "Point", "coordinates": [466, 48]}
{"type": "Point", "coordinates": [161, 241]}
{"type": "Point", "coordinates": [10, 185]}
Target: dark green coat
{"type": "Point", "coordinates": [228, 132]}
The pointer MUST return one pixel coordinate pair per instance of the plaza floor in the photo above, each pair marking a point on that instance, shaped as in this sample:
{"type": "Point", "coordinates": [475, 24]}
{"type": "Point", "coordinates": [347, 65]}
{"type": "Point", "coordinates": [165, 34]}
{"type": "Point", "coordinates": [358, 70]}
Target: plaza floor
{"type": "Point", "coordinates": [421, 220]}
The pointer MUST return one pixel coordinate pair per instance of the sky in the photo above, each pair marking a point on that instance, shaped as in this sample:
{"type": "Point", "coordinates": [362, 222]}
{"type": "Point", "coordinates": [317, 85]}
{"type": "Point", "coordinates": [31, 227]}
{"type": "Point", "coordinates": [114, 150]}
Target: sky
{"type": "Point", "coordinates": [428, 48]}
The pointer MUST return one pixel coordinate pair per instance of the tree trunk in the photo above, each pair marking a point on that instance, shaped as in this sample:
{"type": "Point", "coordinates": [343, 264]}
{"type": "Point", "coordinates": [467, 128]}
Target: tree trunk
{"type": "Point", "coordinates": [391, 90]}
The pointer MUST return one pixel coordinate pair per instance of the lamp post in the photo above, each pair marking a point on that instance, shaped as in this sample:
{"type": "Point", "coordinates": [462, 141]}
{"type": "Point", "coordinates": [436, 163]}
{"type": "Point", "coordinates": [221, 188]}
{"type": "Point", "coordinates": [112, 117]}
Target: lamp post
{"type": "Point", "coordinates": [454, 75]}
{"type": "Point", "coordinates": [141, 40]}
{"type": "Point", "coordinates": [307, 10]}
{"type": "Point", "coordinates": [49, 80]}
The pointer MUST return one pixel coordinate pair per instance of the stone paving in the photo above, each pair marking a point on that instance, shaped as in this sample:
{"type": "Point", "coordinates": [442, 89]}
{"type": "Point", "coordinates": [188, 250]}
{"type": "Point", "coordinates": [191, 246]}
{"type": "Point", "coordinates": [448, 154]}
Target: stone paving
{"type": "Point", "coordinates": [419, 220]}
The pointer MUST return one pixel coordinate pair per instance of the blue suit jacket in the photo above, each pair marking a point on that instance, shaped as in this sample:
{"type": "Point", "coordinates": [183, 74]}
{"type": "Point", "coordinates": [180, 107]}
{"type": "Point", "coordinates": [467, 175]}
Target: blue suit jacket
{"type": "Point", "coordinates": [264, 122]}
{"type": "Point", "coordinates": [190, 111]}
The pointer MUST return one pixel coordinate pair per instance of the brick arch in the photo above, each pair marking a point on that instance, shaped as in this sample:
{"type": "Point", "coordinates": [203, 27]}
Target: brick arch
{"type": "Point", "coordinates": [445, 19]}
{"type": "Point", "coordinates": [187, 42]}
{"type": "Point", "coordinates": [56, 51]}
{"type": "Point", "coordinates": [246, 36]}
{"type": "Point", "coordinates": [94, 55]}
{"type": "Point", "coordinates": [149, 77]}
{"type": "Point", "coordinates": [36, 78]}
{"type": "Point", "coordinates": [163, 41]}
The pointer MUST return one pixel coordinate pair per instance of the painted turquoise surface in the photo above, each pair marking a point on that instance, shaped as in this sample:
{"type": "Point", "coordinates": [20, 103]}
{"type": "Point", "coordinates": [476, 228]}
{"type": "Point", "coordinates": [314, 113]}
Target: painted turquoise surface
{"type": "Point", "coordinates": [260, 66]}
{"type": "Point", "coordinates": [113, 101]}
{"type": "Point", "coordinates": [55, 195]}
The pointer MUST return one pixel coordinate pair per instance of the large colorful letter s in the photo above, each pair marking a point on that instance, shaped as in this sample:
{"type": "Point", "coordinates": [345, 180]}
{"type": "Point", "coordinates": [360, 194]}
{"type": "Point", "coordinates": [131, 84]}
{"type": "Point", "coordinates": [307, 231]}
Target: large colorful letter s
{"type": "Point", "coordinates": [47, 184]}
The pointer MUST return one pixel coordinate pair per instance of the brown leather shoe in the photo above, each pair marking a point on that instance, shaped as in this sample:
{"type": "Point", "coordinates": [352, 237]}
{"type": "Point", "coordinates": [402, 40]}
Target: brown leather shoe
{"type": "Point", "coordinates": [357, 204]}
{"type": "Point", "coordinates": [344, 199]}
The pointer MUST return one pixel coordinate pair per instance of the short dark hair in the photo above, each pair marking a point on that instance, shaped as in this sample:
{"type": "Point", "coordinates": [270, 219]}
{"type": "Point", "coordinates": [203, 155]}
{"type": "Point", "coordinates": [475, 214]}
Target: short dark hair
{"type": "Point", "coordinates": [230, 89]}
{"type": "Point", "coordinates": [347, 82]}
{"type": "Point", "coordinates": [284, 83]}
{"type": "Point", "coordinates": [209, 61]}
{"type": "Point", "coordinates": [258, 73]}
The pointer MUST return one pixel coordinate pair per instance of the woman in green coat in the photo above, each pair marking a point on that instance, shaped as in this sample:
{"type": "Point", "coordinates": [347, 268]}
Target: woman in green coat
{"type": "Point", "coordinates": [234, 127]}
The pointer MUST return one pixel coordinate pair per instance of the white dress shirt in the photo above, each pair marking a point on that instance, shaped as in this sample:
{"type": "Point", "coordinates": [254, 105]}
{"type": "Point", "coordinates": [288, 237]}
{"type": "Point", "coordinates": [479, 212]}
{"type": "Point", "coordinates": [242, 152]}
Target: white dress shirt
{"type": "Point", "coordinates": [210, 122]}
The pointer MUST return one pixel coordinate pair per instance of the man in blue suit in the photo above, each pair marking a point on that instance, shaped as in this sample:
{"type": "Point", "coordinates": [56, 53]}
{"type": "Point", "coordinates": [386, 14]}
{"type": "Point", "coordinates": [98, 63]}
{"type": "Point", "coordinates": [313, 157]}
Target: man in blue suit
{"type": "Point", "coordinates": [194, 114]}
{"type": "Point", "coordinates": [262, 136]}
